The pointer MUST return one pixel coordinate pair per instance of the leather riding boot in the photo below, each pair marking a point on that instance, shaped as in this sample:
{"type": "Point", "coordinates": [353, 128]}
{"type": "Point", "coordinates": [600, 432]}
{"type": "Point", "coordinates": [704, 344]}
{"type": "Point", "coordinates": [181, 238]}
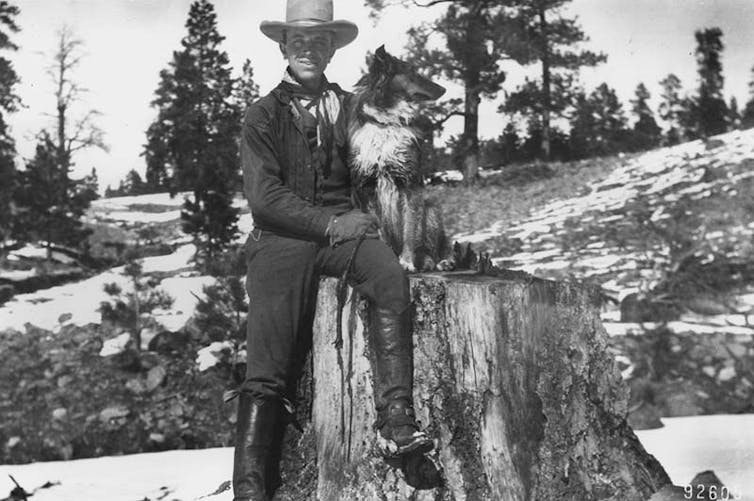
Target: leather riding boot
{"type": "Point", "coordinates": [390, 338]}
{"type": "Point", "coordinates": [255, 444]}
{"type": "Point", "coordinates": [399, 433]}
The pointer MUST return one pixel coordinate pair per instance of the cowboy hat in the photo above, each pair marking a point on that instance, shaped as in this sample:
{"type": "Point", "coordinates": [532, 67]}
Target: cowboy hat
{"type": "Point", "coordinates": [311, 14]}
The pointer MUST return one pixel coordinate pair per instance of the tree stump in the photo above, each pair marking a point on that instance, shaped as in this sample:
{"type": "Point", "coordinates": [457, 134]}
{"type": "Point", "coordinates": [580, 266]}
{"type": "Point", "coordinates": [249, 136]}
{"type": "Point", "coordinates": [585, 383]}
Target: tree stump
{"type": "Point", "coordinates": [513, 379]}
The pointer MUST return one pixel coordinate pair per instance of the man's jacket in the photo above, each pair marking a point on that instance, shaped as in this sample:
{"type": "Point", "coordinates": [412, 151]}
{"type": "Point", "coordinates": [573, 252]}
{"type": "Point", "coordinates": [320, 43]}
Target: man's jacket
{"type": "Point", "coordinates": [289, 190]}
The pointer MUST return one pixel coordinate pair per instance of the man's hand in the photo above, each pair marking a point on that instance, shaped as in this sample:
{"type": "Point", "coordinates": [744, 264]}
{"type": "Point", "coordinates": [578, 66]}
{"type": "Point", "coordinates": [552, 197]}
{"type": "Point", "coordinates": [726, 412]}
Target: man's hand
{"type": "Point", "coordinates": [351, 225]}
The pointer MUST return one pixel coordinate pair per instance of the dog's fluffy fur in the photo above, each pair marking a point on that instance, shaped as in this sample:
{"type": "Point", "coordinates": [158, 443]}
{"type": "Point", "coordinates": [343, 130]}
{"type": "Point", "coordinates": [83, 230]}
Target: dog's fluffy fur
{"type": "Point", "coordinates": [385, 158]}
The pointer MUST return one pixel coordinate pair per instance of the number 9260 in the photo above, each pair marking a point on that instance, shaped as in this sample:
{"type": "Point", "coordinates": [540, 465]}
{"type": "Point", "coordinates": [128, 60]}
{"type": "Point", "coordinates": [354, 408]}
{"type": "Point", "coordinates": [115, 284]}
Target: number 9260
{"type": "Point", "coordinates": [701, 491]}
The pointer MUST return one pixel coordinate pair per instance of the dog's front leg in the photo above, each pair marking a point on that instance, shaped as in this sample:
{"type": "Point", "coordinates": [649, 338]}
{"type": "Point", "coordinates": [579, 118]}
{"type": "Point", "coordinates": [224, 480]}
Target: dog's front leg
{"type": "Point", "coordinates": [407, 257]}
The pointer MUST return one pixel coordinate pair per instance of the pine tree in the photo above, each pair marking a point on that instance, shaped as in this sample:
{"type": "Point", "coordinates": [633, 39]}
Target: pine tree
{"type": "Point", "coordinates": [734, 116]}
{"type": "Point", "coordinates": [646, 133]}
{"type": "Point", "coordinates": [598, 124]}
{"type": "Point", "coordinates": [709, 111]}
{"type": "Point", "coordinates": [553, 39]}
{"type": "Point", "coordinates": [50, 203]}
{"type": "Point", "coordinates": [476, 36]}
{"type": "Point", "coordinates": [191, 146]}
{"type": "Point", "coordinates": [747, 119]}
{"type": "Point", "coordinates": [247, 90]}
{"type": "Point", "coordinates": [9, 103]}
{"type": "Point", "coordinates": [672, 109]}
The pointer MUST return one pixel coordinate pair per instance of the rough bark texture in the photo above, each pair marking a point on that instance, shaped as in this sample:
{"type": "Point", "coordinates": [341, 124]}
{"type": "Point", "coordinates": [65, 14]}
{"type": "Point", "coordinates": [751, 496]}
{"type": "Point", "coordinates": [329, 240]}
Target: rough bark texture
{"type": "Point", "coordinates": [513, 378]}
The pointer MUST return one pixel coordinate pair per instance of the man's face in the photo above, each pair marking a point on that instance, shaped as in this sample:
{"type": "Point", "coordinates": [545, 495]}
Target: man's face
{"type": "Point", "coordinates": [308, 53]}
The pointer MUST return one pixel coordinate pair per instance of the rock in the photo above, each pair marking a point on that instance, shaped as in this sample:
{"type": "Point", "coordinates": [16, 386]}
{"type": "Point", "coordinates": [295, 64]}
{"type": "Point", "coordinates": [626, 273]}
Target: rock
{"type": "Point", "coordinates": [64, 381]}
{"type": "Point", "coordinates": [709, 370]}
{"type": "Point", "coordinates": [670, 493]}
{"type": "Point", "coordinates": [59, 414]}
{"type": "Point", "coordinates": [114, 414]}
{"type": "Point", "coordinates": [157, 438]}
{"type": "Point", "coordinates": [65, 317]}
{"type": "Point", "coordinates": [136, 386]}
{"type": "Point", "coordinates": [167, 342]}
{"type": "Point", "coordinates": [7, 291]}
{"type": "Point", "coordinates": [12, 442]}
{"type": "Point", "coordinates": [681, 404]}
{"type": "Point", "coordinates": [634, 308]}
{"type": "Point", "coordinates": [155, 377]}
{"type": "Point", "coordinates": [726, 374]}
{"type": "Point", "coordinates": [646, 417]}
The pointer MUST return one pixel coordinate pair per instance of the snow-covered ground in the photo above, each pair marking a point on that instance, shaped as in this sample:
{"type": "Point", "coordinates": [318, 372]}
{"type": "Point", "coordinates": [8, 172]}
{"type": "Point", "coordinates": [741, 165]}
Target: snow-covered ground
{"type": "Point", "coordinates": [685, 446]}
{"type": "Point", "coordinates": [80, 300]}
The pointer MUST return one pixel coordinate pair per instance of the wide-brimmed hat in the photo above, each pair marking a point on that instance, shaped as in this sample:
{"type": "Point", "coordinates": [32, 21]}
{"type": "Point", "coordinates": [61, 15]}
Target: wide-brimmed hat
{"type": "Point", "coordinates": [311, 14]}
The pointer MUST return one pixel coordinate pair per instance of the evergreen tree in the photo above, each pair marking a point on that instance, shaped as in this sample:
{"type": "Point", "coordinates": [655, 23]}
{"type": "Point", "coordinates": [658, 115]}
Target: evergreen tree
{"type": "Point", "coordinates": [734, 116]}
{"type": "Point", "coordinates": [553, 39]}
{"type": "Point", "coordinates": [646, 133]}
{"type": "Point", "coordinates": [191, 146]}
{"type": "Point", "coordinates": [247, 90]}
{"type": "Point", "coordinates": [747, 119]}
{"type": "Point", "coordinates": [710, 112]}
{"type": "Point", "coordinates": [476, 35]}
{"type": "Point", "coordinates": [598, 125]}
{"type": "Point", "coordinates": [50, 203]}
{"type": "Point", "coordinates": [9, 103]}
{"type": "Point", "coordinates": [673, 109]}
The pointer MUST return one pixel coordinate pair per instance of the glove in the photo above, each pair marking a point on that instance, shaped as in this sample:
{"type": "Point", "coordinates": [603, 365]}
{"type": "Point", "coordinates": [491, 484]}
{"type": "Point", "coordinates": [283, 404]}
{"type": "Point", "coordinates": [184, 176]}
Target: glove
{"type": "Point", "coordinates": [351, 225]}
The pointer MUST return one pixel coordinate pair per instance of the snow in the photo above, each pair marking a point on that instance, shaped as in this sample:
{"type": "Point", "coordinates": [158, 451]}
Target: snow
{"type": "Point", "coordinates": [173, 475]}
{"type": "Point", "coordinates": [115, 345]}
{"type": "Point", "coordinates": [81, 299]}
{"type": "Point", "coordinates": [722, 443]}
{"type": "Point", "coordinates": [684, 446]}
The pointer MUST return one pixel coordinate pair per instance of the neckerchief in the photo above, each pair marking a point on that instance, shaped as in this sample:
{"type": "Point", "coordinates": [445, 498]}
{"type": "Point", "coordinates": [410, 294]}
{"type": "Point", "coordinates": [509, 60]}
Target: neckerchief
{"type": "Point", "coordinates": [324, 104]}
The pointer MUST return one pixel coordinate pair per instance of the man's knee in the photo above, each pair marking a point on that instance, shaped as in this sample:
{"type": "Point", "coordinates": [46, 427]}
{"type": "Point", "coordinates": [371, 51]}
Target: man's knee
{"type": "Point", "coordinates": [385, 281]}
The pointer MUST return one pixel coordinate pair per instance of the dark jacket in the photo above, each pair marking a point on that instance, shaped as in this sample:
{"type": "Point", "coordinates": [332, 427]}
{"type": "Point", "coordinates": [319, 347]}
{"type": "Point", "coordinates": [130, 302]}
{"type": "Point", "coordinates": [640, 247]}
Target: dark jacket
{"type": "Point", "coordinates": [288, 189]}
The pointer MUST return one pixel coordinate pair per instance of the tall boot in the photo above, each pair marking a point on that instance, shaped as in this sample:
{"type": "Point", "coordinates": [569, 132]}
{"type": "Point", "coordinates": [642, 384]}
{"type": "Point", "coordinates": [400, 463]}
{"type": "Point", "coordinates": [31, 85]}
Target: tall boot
{"type": "Point", "coordinates": [399, 433]}
{"type": "Point", "coordinates": [255, 444]}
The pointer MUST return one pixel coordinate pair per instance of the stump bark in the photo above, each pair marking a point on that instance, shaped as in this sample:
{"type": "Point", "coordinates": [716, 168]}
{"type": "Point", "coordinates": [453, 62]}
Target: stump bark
{"type": "Point", "coordinates": [513, 379]}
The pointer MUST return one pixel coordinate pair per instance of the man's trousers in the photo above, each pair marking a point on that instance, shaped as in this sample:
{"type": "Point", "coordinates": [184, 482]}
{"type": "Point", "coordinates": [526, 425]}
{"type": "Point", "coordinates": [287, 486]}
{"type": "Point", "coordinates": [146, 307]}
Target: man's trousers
{"type": "Point", "coordinates": [282, 282]}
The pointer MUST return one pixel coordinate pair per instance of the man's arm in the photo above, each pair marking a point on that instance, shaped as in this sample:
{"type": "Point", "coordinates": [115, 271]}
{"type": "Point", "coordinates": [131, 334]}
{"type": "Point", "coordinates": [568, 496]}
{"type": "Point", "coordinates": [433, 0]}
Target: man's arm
{"type": "Point", "coordinates": [271, 202]}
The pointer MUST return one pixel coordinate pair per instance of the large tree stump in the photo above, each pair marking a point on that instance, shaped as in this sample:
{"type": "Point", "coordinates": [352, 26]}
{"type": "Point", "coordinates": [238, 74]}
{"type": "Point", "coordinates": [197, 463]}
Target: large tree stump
{"type": "Point", "coordinates": [513, 378]}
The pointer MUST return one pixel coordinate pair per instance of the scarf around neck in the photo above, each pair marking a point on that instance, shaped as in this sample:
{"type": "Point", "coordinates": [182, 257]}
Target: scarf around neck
{"type": "Point", "coordinates": [324, 104]}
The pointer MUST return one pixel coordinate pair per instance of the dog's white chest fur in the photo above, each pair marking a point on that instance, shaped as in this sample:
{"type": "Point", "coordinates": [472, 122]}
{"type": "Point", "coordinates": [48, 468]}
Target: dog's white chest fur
{"type": "Point", "coordinates": [380, 148]}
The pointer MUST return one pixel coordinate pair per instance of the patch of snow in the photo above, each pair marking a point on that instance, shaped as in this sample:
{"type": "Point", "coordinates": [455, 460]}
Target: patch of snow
{"type": "Point", "coordinates": [174, 475]}
{"type": "Point", "coordinates": [17, 275]}
{"type": "Point", "coordinates": [142, 217]}
{"type": "Point", "coordinates": [185, 292]}
{"type": "Point", "coordinates": [210, 355]}
{"type": "Point", "coordinates": [115, 345]}
{"type": "Point", "coordinates": [170, 262]}
{"type": "Point", "coordinates": [82, 299]}
{"type": "Point", "coordinates": [686, 446]}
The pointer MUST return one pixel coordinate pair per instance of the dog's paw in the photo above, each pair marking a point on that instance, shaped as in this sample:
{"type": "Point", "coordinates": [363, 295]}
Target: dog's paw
{"type": "Point", "coordinates": [407, 264]}
{"type": "Point", "coordinates": [446, 265]}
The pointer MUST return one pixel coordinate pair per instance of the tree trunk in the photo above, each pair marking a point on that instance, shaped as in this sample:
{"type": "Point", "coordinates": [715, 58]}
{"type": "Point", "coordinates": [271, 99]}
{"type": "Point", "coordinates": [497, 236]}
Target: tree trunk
{"type": "Point", "coordinates": [512, 378]}
{"type": "Point", "coordinates": [471, 136]}
{"type": "Point", "coordinates": [546, 98]}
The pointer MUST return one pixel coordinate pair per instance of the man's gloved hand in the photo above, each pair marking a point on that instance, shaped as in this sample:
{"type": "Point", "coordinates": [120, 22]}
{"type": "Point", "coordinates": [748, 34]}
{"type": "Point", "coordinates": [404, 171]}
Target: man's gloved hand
{"type": "Point", "coordinates": [351, 225]}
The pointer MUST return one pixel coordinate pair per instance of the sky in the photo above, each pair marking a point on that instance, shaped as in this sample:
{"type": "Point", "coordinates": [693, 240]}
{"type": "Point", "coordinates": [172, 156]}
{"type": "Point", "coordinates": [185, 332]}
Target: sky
{"type": "Point", "coordinates": [128, 42]}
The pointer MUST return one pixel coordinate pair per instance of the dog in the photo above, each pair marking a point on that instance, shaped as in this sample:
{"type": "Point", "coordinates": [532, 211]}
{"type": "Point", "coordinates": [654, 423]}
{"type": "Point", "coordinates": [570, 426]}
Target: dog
{"type": "Point", "coordinates": [385, 157]}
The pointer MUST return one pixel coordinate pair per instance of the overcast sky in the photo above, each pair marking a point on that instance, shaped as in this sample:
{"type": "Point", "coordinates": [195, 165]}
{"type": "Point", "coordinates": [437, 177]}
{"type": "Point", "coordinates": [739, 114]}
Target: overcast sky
{"type": "Point", "coordinates": [127, 43]}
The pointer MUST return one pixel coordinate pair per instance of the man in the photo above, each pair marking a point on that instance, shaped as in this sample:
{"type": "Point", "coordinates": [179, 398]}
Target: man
{"type": "Point", "coordinates": [296, 179]}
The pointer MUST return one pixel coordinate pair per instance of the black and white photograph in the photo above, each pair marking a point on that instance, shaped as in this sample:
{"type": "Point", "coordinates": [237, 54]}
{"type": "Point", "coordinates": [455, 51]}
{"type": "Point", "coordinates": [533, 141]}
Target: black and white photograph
{"type": "Point", "coordinates": [378, 250]}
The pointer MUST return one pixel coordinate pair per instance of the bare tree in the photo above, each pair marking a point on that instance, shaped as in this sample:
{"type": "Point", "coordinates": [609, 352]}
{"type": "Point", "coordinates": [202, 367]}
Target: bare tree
{"type": "Point", "coordinates": [73, 134]}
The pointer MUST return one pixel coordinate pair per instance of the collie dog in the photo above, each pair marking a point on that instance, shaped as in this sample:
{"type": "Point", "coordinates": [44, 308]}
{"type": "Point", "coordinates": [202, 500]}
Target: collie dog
{"type": "Point", "coordinates": [385, 158]}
